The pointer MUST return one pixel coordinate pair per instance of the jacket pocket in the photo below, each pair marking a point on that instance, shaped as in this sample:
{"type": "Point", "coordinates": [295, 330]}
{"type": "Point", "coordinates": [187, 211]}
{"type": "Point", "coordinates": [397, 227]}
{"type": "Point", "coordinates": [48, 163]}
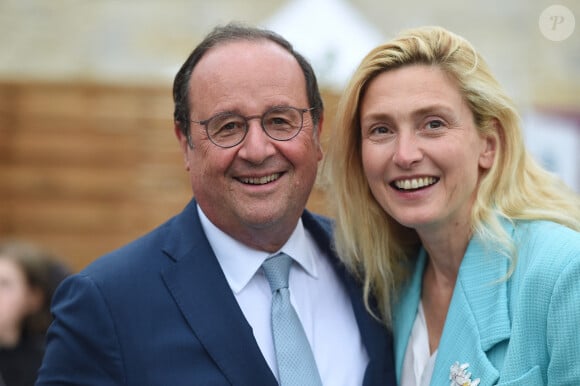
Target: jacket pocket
{"type": "Point", "coordinates": [532, 377]}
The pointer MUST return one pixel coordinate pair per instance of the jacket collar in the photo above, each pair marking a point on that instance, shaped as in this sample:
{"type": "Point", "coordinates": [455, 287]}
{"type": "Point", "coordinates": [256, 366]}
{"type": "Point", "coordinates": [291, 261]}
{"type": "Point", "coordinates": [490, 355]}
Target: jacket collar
{"type": "Point", "coordinates": [200, 290]}
{"type": "Point", "coordinates": [376, 338]}
{"type": "Point", "coordinates": [478, 317]}
{"type": "Point", "coordinates": [227, 336]}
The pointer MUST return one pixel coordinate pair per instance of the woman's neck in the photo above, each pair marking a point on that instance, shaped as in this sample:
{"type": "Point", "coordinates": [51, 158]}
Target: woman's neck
{"type": "Point", "coordinates": [445, 253]}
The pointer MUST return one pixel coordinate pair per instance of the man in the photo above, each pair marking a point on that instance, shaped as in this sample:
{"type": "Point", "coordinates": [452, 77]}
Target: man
{"type": "Point", "coordinates": [189, 303]}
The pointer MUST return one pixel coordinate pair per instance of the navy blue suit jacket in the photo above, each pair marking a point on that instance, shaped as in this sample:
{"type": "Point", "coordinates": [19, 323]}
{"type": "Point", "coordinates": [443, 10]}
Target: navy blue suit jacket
{"type": "Point", "coordinates": [159, 311]}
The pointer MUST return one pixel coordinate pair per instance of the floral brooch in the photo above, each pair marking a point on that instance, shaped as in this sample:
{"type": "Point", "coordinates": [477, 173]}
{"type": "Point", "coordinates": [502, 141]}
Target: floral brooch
{"type": "Point", "coordinates": [459, 376]}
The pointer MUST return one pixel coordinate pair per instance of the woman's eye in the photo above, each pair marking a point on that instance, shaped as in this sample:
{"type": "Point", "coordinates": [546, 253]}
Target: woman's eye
{"type": "Point", "coordinates": [435, 124]}
{"type": "Point", "coordinates": [379, 133]}
{"type": "Point", "coordinates": [380, 130]}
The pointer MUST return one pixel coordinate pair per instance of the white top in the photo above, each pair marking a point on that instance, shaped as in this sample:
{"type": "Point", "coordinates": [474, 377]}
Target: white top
{"type": "Point", "coordinates": [418, 363]}
{"type": "Point", "coordinates": [317, 294]}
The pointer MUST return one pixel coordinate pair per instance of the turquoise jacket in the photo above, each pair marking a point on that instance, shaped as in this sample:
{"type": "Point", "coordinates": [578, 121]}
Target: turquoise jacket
{"type": "Point", "coordinates": [521, 331]}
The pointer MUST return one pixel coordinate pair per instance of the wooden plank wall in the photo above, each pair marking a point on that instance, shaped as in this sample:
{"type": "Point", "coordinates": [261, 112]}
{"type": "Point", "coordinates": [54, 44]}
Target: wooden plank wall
{"type": "Point", "coordinates": [85, 168]}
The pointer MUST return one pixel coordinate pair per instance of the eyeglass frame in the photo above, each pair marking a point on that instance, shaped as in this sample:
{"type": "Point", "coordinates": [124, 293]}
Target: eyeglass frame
{"type": "Point", "coordinates": [247, 125]}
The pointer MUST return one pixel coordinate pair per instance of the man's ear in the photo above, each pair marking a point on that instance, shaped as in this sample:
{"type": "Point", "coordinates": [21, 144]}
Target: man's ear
{"type": "Point", "coordinates": [183, 143]}
{"type": "Point", "coordinates": [319, 136]}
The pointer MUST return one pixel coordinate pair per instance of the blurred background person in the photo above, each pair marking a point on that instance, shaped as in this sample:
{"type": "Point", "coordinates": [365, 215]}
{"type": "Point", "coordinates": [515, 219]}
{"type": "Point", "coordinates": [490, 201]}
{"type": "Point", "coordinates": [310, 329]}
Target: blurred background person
{"type": "Point", "coordinates": [28, 277]}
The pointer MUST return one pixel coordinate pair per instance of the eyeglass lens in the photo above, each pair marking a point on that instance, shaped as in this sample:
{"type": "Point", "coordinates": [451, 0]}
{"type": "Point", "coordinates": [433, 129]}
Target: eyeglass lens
{"type": "Point", "coordinates": [279, 123]}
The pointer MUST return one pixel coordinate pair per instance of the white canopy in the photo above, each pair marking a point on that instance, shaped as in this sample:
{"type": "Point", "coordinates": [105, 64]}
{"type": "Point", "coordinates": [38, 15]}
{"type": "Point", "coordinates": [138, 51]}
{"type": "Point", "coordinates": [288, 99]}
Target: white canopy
{"type": "Point", "coordinates": [331, 34]}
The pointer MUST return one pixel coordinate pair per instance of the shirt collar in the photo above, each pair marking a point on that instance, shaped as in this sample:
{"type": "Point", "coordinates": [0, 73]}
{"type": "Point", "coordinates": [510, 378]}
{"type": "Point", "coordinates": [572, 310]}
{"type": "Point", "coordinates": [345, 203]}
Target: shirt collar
{"type": "Point", "coordinates": [240, 262]}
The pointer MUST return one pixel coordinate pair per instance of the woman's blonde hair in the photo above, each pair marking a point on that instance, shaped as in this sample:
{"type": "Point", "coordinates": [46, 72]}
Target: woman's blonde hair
{"type": "Point", "coordinates": [374, 245]}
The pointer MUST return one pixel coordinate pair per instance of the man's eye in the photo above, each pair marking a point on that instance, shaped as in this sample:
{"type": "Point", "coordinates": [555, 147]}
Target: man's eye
{"type": "Point", "coordinates": [278, 121]}
{"type": "Point", "coordinates": [228, 126]}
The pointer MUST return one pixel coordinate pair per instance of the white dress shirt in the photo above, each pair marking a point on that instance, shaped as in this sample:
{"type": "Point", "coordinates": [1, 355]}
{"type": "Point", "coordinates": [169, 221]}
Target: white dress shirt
{"type": "Point", "coordinates": [316, 292]}
{"type": "Point", "coordinates": [419, 363]}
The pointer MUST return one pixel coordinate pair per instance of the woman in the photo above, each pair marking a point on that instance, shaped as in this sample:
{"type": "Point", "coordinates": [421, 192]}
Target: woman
{"type": "Point", "coordinates": [472, 248]}
{"type": "Point", "coordinates": [28, 277]}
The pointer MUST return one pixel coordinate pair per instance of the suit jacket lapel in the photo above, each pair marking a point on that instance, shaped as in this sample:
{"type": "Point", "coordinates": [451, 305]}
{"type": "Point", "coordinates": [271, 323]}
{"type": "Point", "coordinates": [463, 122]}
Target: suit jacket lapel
{"type": "Point", "coordinates": [477, 320]}
{"type": "Point", "coordinates": [377, 340]}
{"type": "Point", "coordinates": [478, 317]}
{"type": "Point", "coordinates": [405, 312]}
{"type": "Point", "coordinates": [201, 291]}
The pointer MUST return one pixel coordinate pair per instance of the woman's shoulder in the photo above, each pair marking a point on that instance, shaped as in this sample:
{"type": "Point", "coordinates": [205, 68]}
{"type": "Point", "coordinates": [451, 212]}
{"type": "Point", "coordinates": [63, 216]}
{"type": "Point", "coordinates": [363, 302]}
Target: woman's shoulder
{"type": "Point", "coordinates": [544, 293]}
{"type": "Point", "coordinates": [538, 234]}
{"type": "Point", "coordinates": [546, 247]}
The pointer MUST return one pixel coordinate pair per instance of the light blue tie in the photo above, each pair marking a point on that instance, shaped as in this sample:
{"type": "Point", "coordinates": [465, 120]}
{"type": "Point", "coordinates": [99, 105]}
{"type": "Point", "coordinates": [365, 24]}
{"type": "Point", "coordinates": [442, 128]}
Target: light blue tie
{"type": "Point", "coordinates": [296, 364]}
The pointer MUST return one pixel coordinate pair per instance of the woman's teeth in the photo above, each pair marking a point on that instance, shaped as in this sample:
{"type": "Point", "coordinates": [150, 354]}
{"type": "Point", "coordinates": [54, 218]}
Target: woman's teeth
{"type": "Point", "coordinates": [415, 183]}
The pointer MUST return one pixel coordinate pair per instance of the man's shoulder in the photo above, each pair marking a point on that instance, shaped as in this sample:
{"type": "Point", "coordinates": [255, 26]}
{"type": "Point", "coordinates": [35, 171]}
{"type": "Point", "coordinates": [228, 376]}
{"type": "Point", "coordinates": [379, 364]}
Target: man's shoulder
{"type": "Point", "coordinates": [140, 254]}
{"type": "Point", "coordinates": [312, 219]}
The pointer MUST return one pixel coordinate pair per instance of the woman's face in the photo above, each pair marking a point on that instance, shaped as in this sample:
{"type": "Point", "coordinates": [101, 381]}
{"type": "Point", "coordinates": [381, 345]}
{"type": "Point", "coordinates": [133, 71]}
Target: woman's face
{"type": "Point", "coordinates": [16, 297]}
{"type": "Point", "coordinates": [421, 152]}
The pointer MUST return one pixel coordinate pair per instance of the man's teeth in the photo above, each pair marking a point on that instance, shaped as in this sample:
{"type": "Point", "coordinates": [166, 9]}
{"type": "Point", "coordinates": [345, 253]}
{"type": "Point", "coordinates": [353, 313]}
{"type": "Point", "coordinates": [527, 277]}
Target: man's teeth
{"type": "Point", "coordinates": [415, 183]}
{"type": "Point", "coordinates": [260, 180]}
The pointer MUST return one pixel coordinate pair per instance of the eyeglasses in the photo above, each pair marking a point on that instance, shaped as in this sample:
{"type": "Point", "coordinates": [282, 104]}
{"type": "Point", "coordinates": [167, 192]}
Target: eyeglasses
{"type": "Point", "coordinates": [281, 123]}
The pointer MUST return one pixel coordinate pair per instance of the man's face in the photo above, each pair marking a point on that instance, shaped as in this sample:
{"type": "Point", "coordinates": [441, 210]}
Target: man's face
{"type": "Point", "coordinates": [261, 185]}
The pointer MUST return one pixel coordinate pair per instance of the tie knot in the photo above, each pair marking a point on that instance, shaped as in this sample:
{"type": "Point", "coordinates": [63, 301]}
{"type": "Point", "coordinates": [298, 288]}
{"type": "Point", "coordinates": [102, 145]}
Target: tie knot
{"type": "Point", "coordinates": [277, 269]}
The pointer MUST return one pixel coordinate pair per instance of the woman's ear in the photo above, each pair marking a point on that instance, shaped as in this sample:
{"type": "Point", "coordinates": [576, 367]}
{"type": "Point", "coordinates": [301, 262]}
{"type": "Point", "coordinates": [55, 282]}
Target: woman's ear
{"type": "Point", "coordinates": [491, 139]}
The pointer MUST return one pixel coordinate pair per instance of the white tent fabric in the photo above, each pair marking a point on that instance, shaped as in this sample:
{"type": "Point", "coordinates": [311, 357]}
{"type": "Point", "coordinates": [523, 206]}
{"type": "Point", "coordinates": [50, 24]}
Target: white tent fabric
{"type": "Point", "coordinates": [331, 34]}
